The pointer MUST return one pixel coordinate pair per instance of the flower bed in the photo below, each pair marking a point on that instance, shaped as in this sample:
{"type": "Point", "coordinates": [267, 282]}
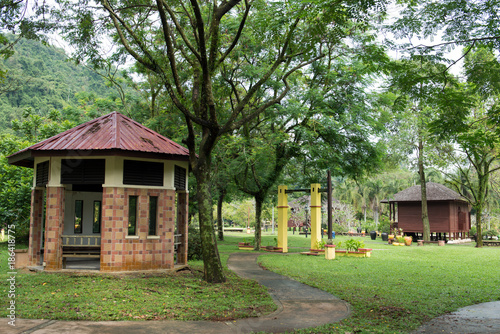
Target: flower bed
{"type": "Point", "coordinates": [361, 252]}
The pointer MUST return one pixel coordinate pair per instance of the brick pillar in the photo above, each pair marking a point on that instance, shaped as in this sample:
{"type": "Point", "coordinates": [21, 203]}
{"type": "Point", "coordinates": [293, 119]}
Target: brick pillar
{"type": "Point", "coordinates": [182, 226]}
{"type": "Point", "coordinates": [54, 228]}
{"type": "Point", "coordinates": [113, 229]}
{"type": "Point", "coordinates": [36, 227]}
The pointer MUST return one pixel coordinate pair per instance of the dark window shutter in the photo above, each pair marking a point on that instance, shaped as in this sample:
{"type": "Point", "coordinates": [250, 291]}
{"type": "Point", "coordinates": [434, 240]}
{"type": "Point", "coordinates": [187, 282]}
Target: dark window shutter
{"type": "Point", "coordinates": [179, 178]}
{"type": "Point", "coordinates": [42, 174]}
{"type": "Point", "coordinates": [83, 171]}
{"type": "Point", "coordinates": [143, 173]}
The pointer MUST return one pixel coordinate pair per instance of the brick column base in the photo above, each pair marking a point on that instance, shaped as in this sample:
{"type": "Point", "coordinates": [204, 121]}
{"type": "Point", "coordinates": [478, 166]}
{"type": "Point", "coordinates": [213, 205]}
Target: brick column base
{"type": "Point", "coordinates": [54, 228]}
{"type": "Point", "coordinates": [36, 224]}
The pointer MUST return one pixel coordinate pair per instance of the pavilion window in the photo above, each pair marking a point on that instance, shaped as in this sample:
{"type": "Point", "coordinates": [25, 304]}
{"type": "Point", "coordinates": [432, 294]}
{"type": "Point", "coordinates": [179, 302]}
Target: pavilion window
{"type": "Point", "coordinates": [153, 211]}
{"type": "Point", "coordinates": [132, 215]}
{"type": "Point", "coordinates": [96, 226]}
{"type": "Point", "coordinates": [42, 174]}
{"type": "Point", "coordinates": [179, 178]}
{"type": "Point", "coordinates": [143, 173]}
{"type": "Point", "coordinates": [78, 216]}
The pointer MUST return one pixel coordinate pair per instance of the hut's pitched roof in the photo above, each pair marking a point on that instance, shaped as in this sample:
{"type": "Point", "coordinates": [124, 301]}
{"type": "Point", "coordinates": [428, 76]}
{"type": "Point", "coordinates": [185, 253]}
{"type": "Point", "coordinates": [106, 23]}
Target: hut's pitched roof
{"type": "Point", "coordinates": [112, 134]}
{"type": "Point", "coordinates": [435, 192]}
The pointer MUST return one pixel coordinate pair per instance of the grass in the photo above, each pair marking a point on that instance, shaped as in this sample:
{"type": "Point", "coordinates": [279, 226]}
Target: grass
{"type": "Point", "coordinates": [180, 296]}
{"type": "Point", "coordinates": [398, 288]}
{"type": "Point", "coordinates": [394, 291]}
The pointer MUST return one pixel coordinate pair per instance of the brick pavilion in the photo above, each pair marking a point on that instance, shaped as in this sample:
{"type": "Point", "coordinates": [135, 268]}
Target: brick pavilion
{"type": "Point", "coordinates": [109, 188]}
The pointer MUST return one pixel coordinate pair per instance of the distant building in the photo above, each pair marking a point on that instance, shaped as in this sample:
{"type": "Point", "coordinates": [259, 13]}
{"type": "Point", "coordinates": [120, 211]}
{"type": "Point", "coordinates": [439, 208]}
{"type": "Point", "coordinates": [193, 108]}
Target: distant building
{"type": "Point", "coordinates": [109, 188]}
{"type": "Point", "coordinates": [449, 213]}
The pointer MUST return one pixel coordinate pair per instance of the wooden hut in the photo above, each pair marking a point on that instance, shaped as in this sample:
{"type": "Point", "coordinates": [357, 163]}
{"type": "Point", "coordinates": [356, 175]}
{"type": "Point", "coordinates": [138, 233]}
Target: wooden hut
{"type": "Point", "coordinates": [449, 213]}
{"type": "Point", "coordinates": [110, 189]}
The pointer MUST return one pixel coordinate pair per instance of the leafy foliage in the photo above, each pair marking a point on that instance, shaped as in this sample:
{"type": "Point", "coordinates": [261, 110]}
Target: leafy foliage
{"type": "Point", "coordinates": [15, 188]}
{"type": "Point", "coordinates": [194, 244]}
{"type": "Point", "coordinates": [42, 78]}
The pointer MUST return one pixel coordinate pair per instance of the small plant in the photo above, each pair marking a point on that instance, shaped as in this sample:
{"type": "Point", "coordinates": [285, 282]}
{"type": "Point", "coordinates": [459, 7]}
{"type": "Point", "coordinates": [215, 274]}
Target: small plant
{"type": "Point", "coordinates": [275, 242]}
{"type": "Point", "coordinates": [329, 242]}
{"type": "Point", "coordinates": [398, 231]}
{"type": "Point", "coordinates": [354, 245]}
{"type": "Point", "coordinates": [320, 244]}
{"type": "Point", "coordinates": [249, 241]}
{"type": "Point", "coordinates": [401, 239]}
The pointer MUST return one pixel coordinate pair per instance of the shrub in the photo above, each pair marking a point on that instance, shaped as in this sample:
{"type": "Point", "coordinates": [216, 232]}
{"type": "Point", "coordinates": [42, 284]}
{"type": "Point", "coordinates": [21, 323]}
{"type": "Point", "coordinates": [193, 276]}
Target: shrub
{"type": "Point", "coordinates": [384, 225]}
{"type": "Point", "coordinates": [194, 244]}
{"type": "Point", "coordinates": [491, 233]}
{"type": "Point", "coordinates": [353, 245]}
{"type": "Point", "coordinates": [339, 228]}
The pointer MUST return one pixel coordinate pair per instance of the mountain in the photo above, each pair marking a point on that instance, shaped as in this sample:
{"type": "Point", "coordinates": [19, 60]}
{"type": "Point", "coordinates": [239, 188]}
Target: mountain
{"type": "Point", "coordinates": [43, 78]}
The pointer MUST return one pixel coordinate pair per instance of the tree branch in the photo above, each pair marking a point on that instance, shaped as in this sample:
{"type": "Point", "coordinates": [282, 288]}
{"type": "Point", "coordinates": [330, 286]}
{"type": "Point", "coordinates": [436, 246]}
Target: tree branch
{"type": "Point", "coordinates": [238, 34]}
{"type": "Point", "coordinates": [179, 28]}
{"type": "Point", "coordinates": [170, 48]}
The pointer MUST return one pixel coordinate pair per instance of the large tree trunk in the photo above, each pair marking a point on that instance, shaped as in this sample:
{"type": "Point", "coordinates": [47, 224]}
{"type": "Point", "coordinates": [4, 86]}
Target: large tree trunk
{"type": "Point", "coordinates": [259, 201]}
{"type": "Point", "coordinates": [483, 178]}
{"type": "Point", "coordinates": [213, 270]}
{"type": "Point", "coordinates": [423, 189]}
{"type": "Point", "coordinates": [220, 201]}
{"type": "Point", "coordinates": [479, 230]}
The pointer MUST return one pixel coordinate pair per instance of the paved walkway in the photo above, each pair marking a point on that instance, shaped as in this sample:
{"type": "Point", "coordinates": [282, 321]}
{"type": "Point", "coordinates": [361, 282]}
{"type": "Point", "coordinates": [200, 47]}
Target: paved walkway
{"type": "Point", "coordinates": [299, 306]}
{"type": "Point", "coordinates": [478, 319]}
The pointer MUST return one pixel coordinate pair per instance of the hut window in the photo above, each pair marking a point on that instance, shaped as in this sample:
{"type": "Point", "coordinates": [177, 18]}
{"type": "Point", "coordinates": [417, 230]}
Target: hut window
{"type": "Point", "coordinates": [78, 216]}
{"type": "Point", "coordinates": [96, 226]}
{"type": "Point", "coordinates": [82, 171]}
{"type": "Point", "coordinates": [143, 173]}
{"type": "Point", "coordinates": [132, 215]}
{"type": "Point", "coordinates": [179, 178]}
{"type": "Point", "coordinates": [42, 174]}
{"type": "Point", "coordinates": [153, 210]}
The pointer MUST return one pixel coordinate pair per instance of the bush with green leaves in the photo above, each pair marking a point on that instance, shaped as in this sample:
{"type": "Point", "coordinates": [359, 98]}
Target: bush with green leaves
{"type": "Point", "coordinates": [339, 228]}
{"type": "Point", "coordinates": [351, 245]}
{"type": "Point", "coordinates": [491, 233]}
{"type": "Point", "coordinates": [194, 244]}
{"type": "Point", "coordinates": [15, 189]}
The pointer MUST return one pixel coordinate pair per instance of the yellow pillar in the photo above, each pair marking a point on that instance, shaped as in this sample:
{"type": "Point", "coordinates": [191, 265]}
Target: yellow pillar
{"type": "Point", "coordinates": [283, 218]}
{"type": "Point", "coordinates": [315, 214]}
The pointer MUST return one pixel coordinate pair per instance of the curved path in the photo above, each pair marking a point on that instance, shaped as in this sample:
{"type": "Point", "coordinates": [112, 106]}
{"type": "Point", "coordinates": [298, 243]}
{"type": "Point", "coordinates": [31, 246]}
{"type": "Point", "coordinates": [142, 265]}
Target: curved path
{"type": "Point", "coordinates": [299, 306]}
{"type": "Point", "coordinates": [478, 319]}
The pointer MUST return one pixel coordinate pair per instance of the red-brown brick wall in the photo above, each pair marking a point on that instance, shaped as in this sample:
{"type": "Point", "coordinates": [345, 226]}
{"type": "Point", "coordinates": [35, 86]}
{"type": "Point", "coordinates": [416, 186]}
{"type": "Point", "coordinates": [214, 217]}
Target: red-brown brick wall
{"type": "Point", "coordinates": [119, 253]}
{"type": "Point", "coordinates": [36, 224]}
{"type": "Point", "coordinates": [54, 228]}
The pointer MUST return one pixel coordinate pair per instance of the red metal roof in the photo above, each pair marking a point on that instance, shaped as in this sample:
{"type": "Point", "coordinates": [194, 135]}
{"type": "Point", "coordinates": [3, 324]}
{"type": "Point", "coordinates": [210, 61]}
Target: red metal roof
{"type": "Point", "coordinates": [113, 133]}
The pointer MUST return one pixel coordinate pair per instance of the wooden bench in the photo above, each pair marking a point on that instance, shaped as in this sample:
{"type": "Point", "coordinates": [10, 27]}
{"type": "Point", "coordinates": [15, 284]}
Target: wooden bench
{"type": "Point", "coordinates": [234, 229]}
{"type": "Point", "coordinates": [80, 246]}
{"type": "Point", "coordinates": [491, 242]}
{"type": "Point", "coordinates": [80, 252]}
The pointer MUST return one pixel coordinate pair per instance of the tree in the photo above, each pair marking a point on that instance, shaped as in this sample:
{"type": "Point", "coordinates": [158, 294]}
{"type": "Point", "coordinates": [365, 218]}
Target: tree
{"type": "Point", "coordinates": [418, 84]}
{"type": "Point", "coordinates": [472, 123]}
{"type": "Point", "coordinates": [14, 19]}
{"type": "Point", "coordinates": [16, 182]}
{"type": "Point", "coordinates": [462, 24]}
{"type": "Point", "coordinates": [193, 46]}
{"type": "Point", "coordinates": [260, 169]}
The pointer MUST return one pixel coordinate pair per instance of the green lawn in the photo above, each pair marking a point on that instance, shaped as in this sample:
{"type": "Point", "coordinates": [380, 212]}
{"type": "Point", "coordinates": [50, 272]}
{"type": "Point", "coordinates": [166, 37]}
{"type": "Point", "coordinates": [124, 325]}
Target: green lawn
{"type": "Point", "coordinates": [181, 296]}
{"type": "Point", "coordinates": [398, 288]}
{"type": "Point", "coordinates": [394, 291]}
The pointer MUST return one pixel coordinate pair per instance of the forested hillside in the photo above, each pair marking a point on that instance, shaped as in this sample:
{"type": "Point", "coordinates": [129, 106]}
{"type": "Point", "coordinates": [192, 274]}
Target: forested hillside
{"type": "Point", "coordinates": [42, 77]}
